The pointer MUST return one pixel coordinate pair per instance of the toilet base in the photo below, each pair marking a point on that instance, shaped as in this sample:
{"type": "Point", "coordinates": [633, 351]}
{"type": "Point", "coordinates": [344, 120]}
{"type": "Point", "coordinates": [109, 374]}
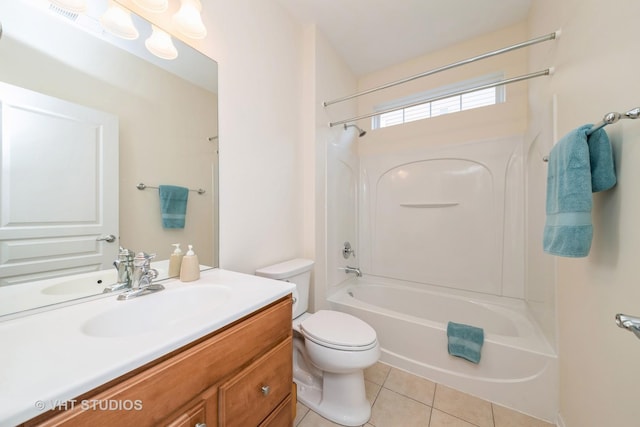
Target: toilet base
{"type": "Point", "coordinates": [346, 401]}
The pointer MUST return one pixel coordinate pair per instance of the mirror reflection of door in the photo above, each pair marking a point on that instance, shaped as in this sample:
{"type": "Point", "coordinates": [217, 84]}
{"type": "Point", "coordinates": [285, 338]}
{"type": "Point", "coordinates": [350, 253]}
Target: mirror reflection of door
{"type": "Point", "coordinates": [58, 187]}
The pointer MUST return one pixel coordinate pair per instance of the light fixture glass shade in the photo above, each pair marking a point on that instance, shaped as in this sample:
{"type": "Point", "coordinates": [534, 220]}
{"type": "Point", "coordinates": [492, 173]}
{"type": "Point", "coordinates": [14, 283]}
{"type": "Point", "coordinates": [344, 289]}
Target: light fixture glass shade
{"type": "Point", "coordinates": [75, 6]}
{"type": "Point", "coordinates": [155, 6]}
{"type": "Point", "coordinates": [188, 20]}
{"type": "Point", "coordinates": [118, 21]}
{"type": "Point", "coordinates": [160, 44]}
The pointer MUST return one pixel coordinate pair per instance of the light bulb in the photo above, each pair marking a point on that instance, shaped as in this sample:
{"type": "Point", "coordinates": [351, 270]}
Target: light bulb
{"type": "Point", "coordinates": [160, 44]}
{"type": "Point", "coordinates": [75, 6]}
{"type": "Point", "coordinates": [188, 20]}
{"type": "Point", "coordinates": [118, 21]}
{"type": "Point", "coordinates": [155, 6]}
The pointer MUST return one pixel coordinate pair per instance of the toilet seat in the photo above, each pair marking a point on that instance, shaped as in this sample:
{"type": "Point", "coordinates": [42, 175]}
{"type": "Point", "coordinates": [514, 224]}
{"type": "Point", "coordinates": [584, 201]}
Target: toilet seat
{"type": "Point", "coordinates": [340, 331]}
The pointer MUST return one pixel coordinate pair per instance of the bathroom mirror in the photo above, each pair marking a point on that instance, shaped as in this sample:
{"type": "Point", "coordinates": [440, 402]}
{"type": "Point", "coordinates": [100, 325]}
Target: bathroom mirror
{"type": "Point", "coordinates": [166, 134]}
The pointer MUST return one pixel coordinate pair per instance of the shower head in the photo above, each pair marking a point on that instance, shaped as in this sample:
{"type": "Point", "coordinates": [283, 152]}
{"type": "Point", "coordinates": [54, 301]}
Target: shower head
{"type": "Point", "coordinates": [361, 132]}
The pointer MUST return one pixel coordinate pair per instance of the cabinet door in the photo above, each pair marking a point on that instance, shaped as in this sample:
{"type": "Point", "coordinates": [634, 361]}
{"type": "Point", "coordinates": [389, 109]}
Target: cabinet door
{"type": "Point", "coordinates": [251, 395]}
{"type": "Point", "coordinates": [282, 416]}
{"type": "Point", "coordinates": [194, 417]}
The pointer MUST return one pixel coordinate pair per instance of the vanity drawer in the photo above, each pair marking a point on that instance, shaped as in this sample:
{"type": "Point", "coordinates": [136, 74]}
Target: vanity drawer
{"type": "Point", "coordinates": [251, 395]}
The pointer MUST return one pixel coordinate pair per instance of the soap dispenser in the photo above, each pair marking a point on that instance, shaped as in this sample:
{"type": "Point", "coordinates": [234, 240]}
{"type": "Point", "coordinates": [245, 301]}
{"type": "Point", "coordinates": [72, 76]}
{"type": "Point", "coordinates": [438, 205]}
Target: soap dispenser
{"type": "Point", "coordinates": [190, 268]}
{"type": "Point", "coordinates": [175, 261]}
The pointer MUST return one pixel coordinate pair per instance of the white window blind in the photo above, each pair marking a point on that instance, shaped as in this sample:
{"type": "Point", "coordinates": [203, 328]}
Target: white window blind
{"type": "Point", "coordinates": [453, 104]}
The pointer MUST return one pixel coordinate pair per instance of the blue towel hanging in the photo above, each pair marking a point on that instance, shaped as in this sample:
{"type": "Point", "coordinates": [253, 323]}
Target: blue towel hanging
{"type": "Point", "coordinates": [578, 166]}
{"type": "Point", "coordinates": [173, 205]}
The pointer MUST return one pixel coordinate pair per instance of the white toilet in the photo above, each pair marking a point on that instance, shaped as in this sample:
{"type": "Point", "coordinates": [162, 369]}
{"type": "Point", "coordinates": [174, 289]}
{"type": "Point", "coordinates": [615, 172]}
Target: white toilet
{"type": "Point", "coordinates": [330, 351]}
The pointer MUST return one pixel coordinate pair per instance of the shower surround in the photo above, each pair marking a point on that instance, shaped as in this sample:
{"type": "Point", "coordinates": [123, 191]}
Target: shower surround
{"type": "Point", "coordinates": [440, 237]}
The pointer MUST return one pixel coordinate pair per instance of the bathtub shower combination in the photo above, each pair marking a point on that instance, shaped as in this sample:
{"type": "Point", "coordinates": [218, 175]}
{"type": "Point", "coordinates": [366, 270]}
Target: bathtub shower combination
{"type": "Point", "coordinates": [441, 233]}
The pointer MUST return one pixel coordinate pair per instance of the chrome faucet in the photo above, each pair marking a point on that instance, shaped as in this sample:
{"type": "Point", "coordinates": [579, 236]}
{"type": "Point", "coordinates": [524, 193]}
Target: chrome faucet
{"type": "Point", "coordinates": [124, 265]}
{"type": "Point", "coordinates": [142, 277]}
{"type": "Point", "coordinates": [355, 270]}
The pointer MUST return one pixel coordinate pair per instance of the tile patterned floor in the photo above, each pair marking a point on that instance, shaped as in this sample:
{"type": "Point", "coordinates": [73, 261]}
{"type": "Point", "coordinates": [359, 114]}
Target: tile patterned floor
{"type": "Point", "coordinates": [400, 399]}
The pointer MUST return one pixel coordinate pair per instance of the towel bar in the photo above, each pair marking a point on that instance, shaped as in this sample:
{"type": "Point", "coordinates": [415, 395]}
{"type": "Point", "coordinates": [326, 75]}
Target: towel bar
{"type": "Point", "coordinates": [629, 323]}
{"type": "Point", "coordinates": [609, 119]}
{"type": "Point", "coordinates": [142, 186]}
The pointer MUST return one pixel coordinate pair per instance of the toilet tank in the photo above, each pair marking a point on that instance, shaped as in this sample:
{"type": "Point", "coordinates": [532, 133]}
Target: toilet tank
{"type": "Point", "coordinates": [296, 271]}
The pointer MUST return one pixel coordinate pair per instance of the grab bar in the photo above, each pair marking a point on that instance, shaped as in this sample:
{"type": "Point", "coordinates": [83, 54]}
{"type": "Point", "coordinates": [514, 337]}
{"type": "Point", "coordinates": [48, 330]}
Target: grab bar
{"type": "Point", "coordinates": [630, 323]}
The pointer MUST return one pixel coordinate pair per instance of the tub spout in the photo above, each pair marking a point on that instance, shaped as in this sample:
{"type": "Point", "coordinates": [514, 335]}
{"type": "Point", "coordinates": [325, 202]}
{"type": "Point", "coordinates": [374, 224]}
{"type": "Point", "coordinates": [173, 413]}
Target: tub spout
{"type": "Point", "coordinates": [355, 270]}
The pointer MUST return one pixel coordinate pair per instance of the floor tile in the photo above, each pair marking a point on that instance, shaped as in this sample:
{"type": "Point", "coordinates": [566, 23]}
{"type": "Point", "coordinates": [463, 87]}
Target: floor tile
{"type": "Point", "coordinates": [401, 399]}
{"type": "Point", "coordinates": [505, 417]}
{"type": "Point", "coordinates": [377, 373]}
{"type": "Point", "coordinates": [441, 419]}
{"type": "Point", "coordinates": [411, 386]}
{"type": "Point", "coordinates": [311, 419]}
{"type": "Point", "coordinates": [371, 390]}
{"type": "Point", "coordinates": [301, 411]}
{"type": "Point", "coordinates": [393, 410]}
{"type": "Point", "coordinates": [464, 406]}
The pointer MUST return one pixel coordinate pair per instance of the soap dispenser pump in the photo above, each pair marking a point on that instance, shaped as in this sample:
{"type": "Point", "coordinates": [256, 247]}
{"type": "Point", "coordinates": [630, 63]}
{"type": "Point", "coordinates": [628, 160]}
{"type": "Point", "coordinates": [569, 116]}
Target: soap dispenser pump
{"type": "Point", "coordinates": [175, 261]}
{"type": "Point", "coordinates": [190, 268]}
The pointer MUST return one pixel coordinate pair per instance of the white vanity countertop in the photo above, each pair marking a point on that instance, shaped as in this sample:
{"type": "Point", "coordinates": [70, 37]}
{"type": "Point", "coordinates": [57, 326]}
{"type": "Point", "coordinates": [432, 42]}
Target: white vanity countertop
{"type": "Point", "coordinates": [47, 359]}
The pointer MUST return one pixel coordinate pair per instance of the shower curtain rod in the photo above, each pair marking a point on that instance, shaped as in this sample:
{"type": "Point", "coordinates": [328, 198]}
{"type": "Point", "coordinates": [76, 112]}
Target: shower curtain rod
{"type": "Point", "coordinates": [546, 72]}
{"type": "Point", "coordinates": [550, 36]}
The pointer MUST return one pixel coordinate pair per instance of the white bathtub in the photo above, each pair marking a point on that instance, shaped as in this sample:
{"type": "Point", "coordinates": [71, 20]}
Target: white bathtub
{"type": "Point", "coordinates": [518, 368]}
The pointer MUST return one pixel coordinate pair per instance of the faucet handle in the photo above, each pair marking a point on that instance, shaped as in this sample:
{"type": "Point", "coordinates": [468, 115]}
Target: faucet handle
{"type": "Point", "coordinates": [125, 254]}
{"type": "Point", "coordinates": [143, 259]}
{"type": "Point", "coordinates": [347, 251]}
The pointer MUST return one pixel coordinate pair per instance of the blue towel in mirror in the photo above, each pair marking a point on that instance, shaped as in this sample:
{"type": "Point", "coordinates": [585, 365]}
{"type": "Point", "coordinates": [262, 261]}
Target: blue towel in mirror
{"type": "Point", "coordinates": [173, 205]}
{"type": "Point", "coordinates": [465, 341]}
{"type": "Point", "coordinates": [578, 166]}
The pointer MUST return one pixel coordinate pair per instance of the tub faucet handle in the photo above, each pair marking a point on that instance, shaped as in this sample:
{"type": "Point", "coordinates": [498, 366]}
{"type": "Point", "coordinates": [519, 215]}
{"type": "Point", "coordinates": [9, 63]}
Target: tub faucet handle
{"type": "Point", "coordinates": [347, 251]}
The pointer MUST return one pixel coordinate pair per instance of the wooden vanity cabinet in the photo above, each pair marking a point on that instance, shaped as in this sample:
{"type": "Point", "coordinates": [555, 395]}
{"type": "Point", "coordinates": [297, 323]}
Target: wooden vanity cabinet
{"type": "Point", "coordinates": [240, 376]}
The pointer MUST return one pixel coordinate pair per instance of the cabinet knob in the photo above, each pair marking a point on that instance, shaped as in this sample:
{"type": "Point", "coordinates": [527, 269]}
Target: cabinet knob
{"type": "Point", "coordinates": [201, 425]}
{"type": "Point", "coordinates": [265, 390]}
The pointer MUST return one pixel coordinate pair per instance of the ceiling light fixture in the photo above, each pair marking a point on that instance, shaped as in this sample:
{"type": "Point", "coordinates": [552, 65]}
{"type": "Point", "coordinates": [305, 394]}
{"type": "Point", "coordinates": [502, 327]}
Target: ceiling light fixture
{"type": "Point", "coordinates": [117, 21]}
{"type": "Point", "coordinates": [160, 44]}
{"type": "Point", "coordinates": [75, 6]}
{"type": "Point", "coordinates": [188, 20]}
{"type": "Point", "coordinates": [155, 6]}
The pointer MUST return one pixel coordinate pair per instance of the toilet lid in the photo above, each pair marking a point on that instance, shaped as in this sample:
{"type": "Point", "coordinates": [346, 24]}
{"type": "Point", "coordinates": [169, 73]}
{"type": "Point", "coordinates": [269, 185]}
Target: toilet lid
{"type": "Point", "coordinates": [338, 330]}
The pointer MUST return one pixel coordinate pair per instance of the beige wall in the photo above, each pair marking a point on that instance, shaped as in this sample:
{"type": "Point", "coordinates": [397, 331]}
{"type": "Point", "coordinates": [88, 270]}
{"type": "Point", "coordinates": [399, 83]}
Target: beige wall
{"type": "Point", "coordinates": [334, 145]}
{"type": "Point", "coordinates": [596, 62]}
{"type": "Point", "coordinates": [325, 76]}
{"type": "Point", "coordinates": [495, 121]}
{"type": "Point", "coordinates": [260, 78]}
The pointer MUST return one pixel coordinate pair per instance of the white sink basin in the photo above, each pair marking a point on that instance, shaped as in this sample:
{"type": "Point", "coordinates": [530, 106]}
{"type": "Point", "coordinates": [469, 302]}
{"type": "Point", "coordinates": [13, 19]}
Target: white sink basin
{"type": "Point", "coordinates": [158, 311]}
{"type": "Point", "coordinates": [85, 284]}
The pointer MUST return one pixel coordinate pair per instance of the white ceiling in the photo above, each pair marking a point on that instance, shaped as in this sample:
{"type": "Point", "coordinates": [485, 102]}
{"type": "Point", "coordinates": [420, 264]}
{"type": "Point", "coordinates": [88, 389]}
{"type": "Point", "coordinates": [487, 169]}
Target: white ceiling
{"type": "Point", "coordinates": [375, 34]}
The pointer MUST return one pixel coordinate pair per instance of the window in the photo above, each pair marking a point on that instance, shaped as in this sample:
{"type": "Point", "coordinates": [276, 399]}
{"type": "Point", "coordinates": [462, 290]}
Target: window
{"type": "Point", "coordinates": [452, 104]}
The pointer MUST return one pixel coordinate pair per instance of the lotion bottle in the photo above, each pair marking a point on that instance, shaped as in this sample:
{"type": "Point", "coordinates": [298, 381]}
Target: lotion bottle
{"type": "Point", "coordinates": [175, 261]}
{"type": "Point", "coordinates": [190, 268]}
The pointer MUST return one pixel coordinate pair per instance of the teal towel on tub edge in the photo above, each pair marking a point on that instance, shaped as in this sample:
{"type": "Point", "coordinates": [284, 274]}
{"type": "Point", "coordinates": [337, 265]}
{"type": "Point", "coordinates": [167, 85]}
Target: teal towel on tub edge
{"type": "Point", "coordinates": [465, 341]}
